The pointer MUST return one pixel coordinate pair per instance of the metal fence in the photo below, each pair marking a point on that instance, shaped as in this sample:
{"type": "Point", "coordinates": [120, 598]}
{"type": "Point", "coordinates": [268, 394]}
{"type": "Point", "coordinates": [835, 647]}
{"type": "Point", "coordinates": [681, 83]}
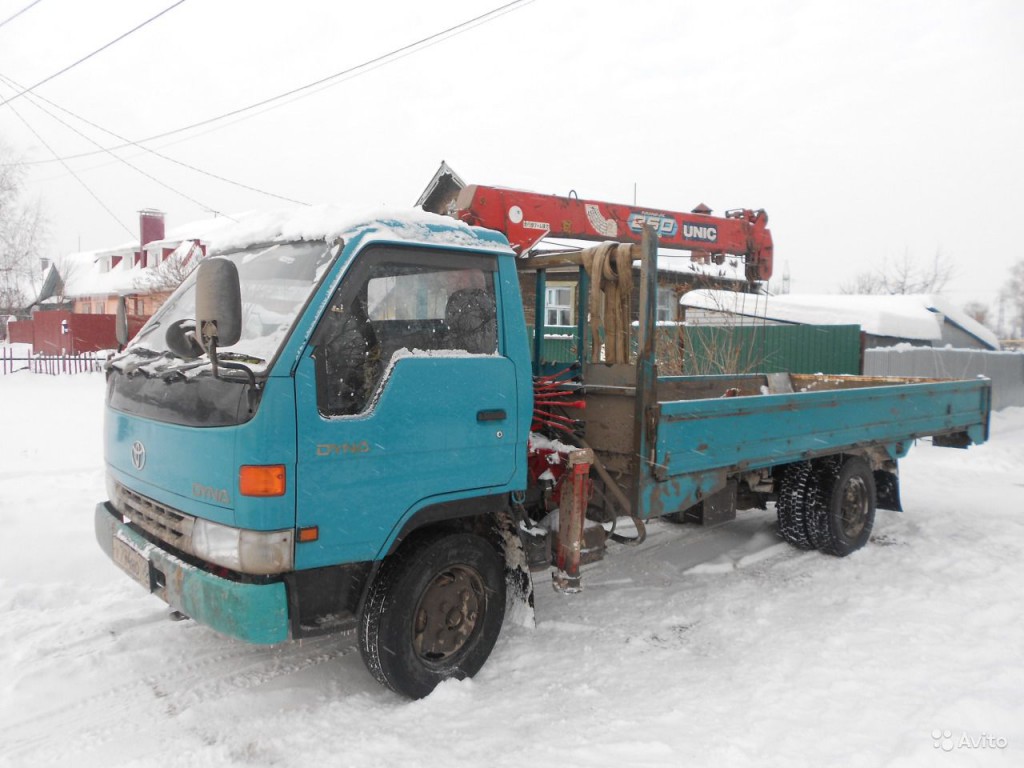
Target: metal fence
{"type": "Point", "coordinates": [12, 361]}
{"type": "Point", "coordinates": [708, 349]}
{"type": "Point", "coordinates": [1005, 369]}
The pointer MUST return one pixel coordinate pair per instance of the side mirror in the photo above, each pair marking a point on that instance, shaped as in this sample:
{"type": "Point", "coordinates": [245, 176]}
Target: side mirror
{"type": "Point", "coordinates": [121, 323]}
{"type": "Point", "coordinates": [218, 303]}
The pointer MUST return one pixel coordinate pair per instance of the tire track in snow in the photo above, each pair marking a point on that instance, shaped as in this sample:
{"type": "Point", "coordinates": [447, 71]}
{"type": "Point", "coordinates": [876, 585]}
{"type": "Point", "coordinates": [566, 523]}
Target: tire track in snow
{"type": "Point", "coordinates": [126, 711]}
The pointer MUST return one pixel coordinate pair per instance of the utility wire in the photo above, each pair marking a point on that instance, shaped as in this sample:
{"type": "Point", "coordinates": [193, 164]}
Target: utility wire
{"type": "Point", "coordinates": [16, 15]}
{"type": "Point", "coordinates": [89, 56]}
{"type": "Point", "coordinates": [35, 98]}
{"type": "Point", "coordinates": [88, 189]}
{"type": "Point", "coordinates": [353, 72]}
{"type": "Point", "coordinates": [370, 64]}
{"type": "Point", "coordinates": [135, 168]}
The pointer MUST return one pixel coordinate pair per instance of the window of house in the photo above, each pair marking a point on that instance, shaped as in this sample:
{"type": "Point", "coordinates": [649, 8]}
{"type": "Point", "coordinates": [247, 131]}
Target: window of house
{"type": "Point", "coordinates": [667, 302]}
{"type": "Point", "coordinates": [558, 306]}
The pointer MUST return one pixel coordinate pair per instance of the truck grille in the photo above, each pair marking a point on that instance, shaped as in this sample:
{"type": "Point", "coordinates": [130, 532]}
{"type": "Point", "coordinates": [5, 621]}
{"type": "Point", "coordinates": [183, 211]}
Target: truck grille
{"type": "Point", "coordinates": [164, 523]}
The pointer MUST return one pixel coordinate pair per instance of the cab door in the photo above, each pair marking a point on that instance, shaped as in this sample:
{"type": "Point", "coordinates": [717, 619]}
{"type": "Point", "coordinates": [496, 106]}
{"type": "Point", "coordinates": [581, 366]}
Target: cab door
{"type": "Point", "coordinates": [404, 399]}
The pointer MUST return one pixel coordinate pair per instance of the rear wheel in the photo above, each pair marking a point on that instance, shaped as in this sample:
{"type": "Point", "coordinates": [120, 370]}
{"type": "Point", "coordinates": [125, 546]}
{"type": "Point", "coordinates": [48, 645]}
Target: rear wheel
{"type": "Point", "coordinates": [434, 612]}
{"type": "Point", "coordinates": [798, 499]}
{"type": "Point", "coordinates": [843, 524]}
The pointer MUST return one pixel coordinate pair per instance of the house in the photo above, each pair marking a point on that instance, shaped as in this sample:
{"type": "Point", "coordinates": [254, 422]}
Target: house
{"type": "Point", "coordinates": [917, 319]}
{"type": "Point", "coordinates": [143, 272]}
{"type": "Point", "coordinates": [74, 309]}
{"type": "Point", "coordinates": [82, 295]}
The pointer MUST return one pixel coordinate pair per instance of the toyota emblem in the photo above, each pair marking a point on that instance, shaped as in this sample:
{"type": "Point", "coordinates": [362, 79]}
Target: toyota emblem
{"type": "Point", "coordinates": [138, 455]}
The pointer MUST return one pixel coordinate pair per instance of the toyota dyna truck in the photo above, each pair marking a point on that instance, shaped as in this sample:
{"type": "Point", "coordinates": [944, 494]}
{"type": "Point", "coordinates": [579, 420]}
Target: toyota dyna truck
{"type": "Point", "coordinates": [351, 427]}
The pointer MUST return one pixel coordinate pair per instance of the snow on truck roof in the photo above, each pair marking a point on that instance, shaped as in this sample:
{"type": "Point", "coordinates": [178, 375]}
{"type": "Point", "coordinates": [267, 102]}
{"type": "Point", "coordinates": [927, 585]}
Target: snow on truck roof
{"type": "Point", "coordinates": [327, 222]}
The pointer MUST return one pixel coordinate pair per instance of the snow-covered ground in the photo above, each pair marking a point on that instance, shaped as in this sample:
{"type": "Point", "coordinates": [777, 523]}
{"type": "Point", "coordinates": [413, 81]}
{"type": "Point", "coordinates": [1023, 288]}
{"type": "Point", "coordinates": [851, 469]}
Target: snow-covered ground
{"type": "Point", "coordinates": [702, 647]}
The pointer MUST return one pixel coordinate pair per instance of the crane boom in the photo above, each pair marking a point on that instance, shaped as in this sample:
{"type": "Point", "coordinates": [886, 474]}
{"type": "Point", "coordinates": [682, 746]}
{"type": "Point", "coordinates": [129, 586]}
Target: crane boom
{"type": "Point", "coordinates": [527, 217]}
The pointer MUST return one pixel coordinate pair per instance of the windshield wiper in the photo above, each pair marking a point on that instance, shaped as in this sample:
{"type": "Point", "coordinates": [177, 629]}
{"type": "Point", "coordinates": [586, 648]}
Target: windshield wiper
{"type": "Point", "coordinates": [240, 357]}
{"type": "Point", "coordinates": [123, 361]}
{"type": "Point", "coordinates": [140, 351]}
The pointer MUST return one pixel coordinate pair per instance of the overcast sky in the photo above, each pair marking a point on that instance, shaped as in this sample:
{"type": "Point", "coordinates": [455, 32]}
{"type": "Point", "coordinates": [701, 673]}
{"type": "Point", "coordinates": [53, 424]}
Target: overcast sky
{"type": "Point", "coordinates": [868, 130]}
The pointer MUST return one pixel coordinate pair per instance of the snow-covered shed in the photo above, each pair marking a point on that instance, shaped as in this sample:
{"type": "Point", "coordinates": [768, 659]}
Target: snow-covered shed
{"type": "Point", "coordinates": [919, 319]}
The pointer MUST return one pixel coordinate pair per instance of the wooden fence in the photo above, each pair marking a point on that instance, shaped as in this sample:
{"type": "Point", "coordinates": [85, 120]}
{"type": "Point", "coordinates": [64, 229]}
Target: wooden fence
{"type": "Point", "coordinates": [12, 361]}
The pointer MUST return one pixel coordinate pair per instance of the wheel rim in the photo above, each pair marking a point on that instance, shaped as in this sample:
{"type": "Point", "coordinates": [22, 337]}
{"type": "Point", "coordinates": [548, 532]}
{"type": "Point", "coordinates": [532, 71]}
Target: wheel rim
{"type": "Point", "coordinates": [853, 513]}
{"type": "Point", "coordinates": [448, 614]}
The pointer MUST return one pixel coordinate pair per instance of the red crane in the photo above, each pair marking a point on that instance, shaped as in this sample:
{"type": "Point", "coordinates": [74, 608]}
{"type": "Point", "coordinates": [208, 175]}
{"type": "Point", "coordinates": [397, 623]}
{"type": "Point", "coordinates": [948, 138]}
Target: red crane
{"type": "Point", "coordinates": [527, 217]}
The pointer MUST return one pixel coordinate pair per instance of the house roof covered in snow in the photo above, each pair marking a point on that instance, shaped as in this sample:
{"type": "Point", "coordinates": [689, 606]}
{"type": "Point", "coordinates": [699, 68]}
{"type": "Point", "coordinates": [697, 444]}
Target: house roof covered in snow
{"type": "Point", "coordinates": [911, 316]}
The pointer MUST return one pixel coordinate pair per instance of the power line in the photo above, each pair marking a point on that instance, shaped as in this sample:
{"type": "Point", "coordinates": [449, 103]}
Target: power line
{"type": "Point", "coordinates": [16, 15]}
{"type": "Point", "coordinates": [69, 170]}
{"type": "Point", "coordinates": [135, 168]}
{"type": "Point", "coordinates": [89, 56]}
{"type": "Point", "coordinates": [353, 71]}
{"type": "Point", "coordinates": [35, 98]}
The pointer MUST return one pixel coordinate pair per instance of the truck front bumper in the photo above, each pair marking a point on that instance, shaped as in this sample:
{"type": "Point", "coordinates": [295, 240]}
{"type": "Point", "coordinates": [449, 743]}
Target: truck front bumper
{"type": "Point", "coordinates": [254, 612]}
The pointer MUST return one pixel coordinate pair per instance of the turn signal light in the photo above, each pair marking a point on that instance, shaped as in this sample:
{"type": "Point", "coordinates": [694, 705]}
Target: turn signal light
{"type": "Point", "coordinates": [262, 480]}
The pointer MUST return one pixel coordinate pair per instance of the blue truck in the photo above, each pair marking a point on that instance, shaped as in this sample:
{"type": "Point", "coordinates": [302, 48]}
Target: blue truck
{"type": "Point", "coordinates": [332, 432]}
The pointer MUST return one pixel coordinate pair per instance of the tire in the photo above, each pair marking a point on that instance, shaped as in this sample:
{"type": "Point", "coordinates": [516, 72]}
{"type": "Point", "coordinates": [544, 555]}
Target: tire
{"type": "Point", "coordinates": [798, 499]}
{"type": "Point", "coordinates": [824, 472]}
{"type": "Point", "coordinates": [433, 612]}
{"type": "Point", "coordinates": [843, 524]}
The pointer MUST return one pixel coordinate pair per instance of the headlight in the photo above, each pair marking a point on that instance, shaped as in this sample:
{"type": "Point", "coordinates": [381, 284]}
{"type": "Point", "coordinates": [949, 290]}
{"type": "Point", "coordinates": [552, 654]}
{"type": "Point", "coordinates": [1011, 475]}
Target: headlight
{"type": "Point", "coordinates": [254, 552]}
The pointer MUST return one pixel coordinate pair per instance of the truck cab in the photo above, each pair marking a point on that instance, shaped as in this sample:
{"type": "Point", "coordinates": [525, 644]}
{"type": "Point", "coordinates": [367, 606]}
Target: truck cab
{"type": "Point", "coordinates": [374, 410]}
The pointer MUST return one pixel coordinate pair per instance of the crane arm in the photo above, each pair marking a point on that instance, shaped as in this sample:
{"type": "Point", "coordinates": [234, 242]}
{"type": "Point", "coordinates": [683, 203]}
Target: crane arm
{"type": "Point", "coordinates": [525, 218]}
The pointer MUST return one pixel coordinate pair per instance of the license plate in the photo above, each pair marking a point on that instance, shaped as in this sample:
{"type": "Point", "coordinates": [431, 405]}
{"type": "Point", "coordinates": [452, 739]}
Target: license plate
{"type": "Point", "coordinates": [132, 562]}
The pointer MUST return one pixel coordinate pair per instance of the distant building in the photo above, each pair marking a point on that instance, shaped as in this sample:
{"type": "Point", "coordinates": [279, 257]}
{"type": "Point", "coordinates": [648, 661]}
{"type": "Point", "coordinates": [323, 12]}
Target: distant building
{"type": "Point", "coordinates": [143, 272]}
{"type": "Point", "coordinates": [915, 319]}
{"type": "Point", "coordinates": [74, 309]}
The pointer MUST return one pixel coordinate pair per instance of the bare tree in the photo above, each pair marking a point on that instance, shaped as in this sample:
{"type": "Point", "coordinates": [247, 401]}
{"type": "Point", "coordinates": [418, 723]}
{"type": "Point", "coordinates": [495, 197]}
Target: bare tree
{"type": "Point", "coordinates": [22, 233]}
{"type": "Point", "coordinates": [1012, 298]}
{"type": "Point", "coordinates": [172, 271]}
{"type": "Point", "coordinates": [979, 311]}
{"type": "Point", "coordinates": [902, 276]}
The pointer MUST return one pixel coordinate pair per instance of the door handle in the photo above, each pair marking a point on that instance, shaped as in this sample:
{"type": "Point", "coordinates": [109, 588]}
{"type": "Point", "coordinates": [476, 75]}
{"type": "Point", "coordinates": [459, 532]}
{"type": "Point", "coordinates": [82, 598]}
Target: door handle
{"type": "Point", "coordinates": [492, 414]}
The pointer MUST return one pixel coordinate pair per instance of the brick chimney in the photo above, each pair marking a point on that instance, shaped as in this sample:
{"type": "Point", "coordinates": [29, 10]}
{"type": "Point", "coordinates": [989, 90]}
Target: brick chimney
{"type": "Point", "coordinates": [151, 228]}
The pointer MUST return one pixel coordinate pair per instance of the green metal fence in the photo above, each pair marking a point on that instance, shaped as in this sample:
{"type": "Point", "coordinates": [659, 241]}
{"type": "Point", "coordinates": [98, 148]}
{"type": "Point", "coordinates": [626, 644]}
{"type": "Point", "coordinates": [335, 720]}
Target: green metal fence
{"type": "Point", "coordinates": [702, 350]}
{"type": "Point", "coordinates": [560, 344]}
{"type": "Point", "coordinates": [771, 349]}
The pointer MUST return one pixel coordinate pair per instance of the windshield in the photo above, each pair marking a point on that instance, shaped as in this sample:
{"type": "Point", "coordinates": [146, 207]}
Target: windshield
{"type": "Point", "coordinates": [276, 282]}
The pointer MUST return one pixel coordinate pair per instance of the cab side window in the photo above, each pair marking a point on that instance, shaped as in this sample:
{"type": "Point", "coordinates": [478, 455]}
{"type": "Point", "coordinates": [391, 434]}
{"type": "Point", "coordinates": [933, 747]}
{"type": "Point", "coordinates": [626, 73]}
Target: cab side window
{"type": "Point", "coordinates": [400, 301]}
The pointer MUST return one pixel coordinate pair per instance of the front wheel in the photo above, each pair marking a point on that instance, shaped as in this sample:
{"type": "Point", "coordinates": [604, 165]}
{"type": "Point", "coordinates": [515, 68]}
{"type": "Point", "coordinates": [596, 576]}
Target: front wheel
{"type": "Point", "coordinates": [433, 612]}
